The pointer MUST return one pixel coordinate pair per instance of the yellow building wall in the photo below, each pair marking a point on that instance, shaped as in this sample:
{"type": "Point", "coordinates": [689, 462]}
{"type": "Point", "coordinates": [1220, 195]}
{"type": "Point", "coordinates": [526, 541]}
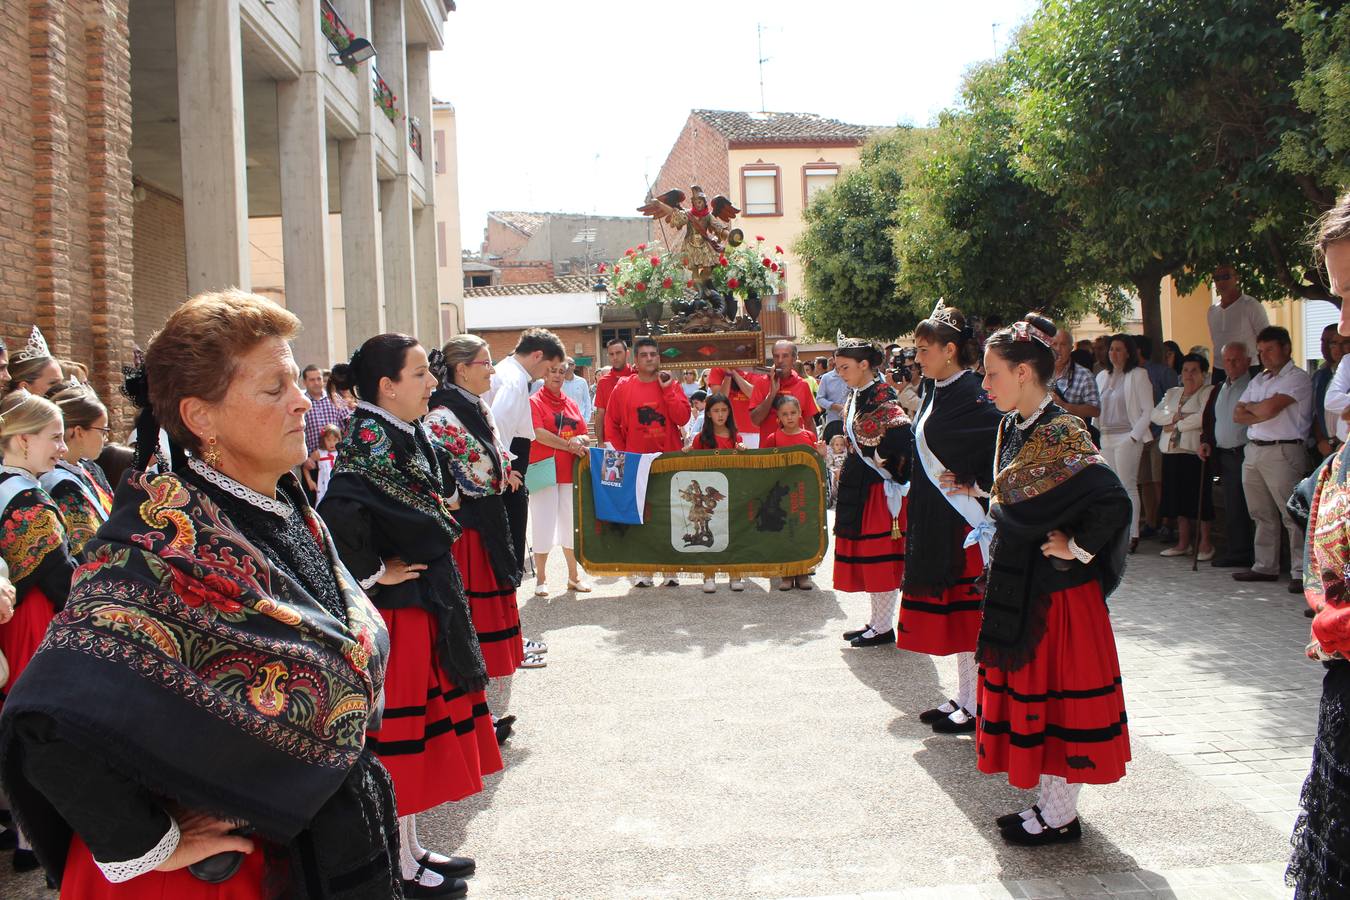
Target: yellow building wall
{"type": "Point", "coordinates": [783, 230]}
{"type": "Point", "coordinates": [268, 275]}
{"type": "Point", "coordinates": [447, 218]}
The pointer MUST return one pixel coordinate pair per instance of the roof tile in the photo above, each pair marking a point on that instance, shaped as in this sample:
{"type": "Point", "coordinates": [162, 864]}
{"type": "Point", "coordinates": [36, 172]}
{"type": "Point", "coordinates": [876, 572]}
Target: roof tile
{"type": "Point", "coordinates": [778, 126]}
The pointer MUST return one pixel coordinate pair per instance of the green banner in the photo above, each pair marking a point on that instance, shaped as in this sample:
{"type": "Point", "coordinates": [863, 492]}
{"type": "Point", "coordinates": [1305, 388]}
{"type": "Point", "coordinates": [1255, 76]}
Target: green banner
{"type": "Point", "coordinates": [744, 512]}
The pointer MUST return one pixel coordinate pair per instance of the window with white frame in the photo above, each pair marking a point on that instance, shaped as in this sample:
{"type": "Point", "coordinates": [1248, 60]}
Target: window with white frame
{"type": "Point", "coordinates": [816, 177]}
{"type": "Point", "coordinates": [759, 186]}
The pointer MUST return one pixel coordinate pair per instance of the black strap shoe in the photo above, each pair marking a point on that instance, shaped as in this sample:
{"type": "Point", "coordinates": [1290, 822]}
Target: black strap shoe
{"type": "Point", "coordinates": [876, 640]}
{"type": "Point", "coordinates": [945, 725]}
{"type": "Point", "coordinates": [455, 867]}
{"type": "Point", "coordinates": [1016, 818]}
{"type": "Point", "coordinates": [855, 633]}
{"type": "Point", "coordinates": [929, 716]}
{"type": "Point", "coordinates": [502, 727]}
{"type": "Point", "coordinates": [450, 887]}
{"type": "Point", "coordinates": [1061, 835]}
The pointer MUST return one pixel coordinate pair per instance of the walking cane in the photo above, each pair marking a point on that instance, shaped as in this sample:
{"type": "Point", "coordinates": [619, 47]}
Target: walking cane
{"type": "Point", "coordinates": [1199, 513]}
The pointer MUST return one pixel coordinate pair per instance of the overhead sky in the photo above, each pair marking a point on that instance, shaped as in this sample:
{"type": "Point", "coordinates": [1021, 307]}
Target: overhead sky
{"type": "Point", "coordinates": [572, 107]}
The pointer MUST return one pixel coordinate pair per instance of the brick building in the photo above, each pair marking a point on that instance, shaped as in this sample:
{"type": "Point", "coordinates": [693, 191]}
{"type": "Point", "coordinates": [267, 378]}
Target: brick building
{"type": "Point", "coordinates": [530, 247]}
{"type": "Point", "coordinates": [565, 305]}
{"type": "Point", "coordinates": [769, 164]}
{"type": "Point", "coordinates": [142, 135]}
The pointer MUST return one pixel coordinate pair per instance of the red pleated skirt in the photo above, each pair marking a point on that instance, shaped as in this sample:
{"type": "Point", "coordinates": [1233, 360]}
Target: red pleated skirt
{"type": "Point", "coordinates": [950, 622]}
{"type": "Point", "coordinates": [20, 636]}
{"type": "Point", "coordinates": [436, 741]}
{"type": "Point", "coordinates": [875, 562]}
{"type": "Point", "coordinates": [492, 604]}
{"type": "Point", "coordinates": [84, 880]}
{"type": "Point", "coordinates": [1064, 712]}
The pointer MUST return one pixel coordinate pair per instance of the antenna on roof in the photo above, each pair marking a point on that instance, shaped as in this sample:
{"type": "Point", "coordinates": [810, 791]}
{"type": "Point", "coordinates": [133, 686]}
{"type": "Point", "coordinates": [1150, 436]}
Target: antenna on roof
{"type": "Point", "coordinates": [759, 43]}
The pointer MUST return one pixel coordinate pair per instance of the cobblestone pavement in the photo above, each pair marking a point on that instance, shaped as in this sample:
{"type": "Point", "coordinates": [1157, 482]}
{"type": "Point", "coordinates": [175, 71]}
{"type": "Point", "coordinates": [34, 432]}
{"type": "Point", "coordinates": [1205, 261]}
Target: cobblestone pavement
{"type": "Point", "coordinates": [686, 745]}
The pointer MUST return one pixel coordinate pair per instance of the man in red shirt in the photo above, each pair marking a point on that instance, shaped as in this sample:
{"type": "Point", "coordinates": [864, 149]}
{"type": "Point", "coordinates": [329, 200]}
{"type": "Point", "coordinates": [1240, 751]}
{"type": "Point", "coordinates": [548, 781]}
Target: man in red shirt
{"type": "Point", "coordinates": [646, 410]}
{"type": "Point", "coordinates": [738, 385]}
{"type": "Point", "coordinates": [645, 413]}
{"type": "Point", "coordinates": [783, 380]}
{"type": "Point", "coordinates": [618, 371]}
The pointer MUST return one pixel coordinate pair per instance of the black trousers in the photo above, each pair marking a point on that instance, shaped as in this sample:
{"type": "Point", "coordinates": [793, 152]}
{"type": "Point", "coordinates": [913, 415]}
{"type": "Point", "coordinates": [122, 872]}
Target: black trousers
{"type": "Point", "coordinates": [1237, 522]}
{"type": "Point", "coordinates": [518, 502]}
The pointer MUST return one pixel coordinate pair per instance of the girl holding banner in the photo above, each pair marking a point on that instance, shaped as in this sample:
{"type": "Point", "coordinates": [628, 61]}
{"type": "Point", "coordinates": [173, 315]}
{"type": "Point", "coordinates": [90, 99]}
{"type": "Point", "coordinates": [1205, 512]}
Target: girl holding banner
{"type": "Point", "coordinates": [954, 455]}
{"type": "Point", "coordinates": [1052, 714]}
{"type": "Point", "coordinates": [869, 518]}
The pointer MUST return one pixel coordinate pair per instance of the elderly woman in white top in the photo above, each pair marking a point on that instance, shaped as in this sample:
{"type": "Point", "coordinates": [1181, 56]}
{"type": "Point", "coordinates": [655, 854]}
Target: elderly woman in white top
{"type": "Point", "coordinates": [1186, 493]}
{"type": "Point", "coordinates": [1127, 408]}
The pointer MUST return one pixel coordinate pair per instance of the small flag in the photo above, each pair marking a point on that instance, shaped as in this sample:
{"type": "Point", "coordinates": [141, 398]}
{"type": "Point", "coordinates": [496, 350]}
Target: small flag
{"type": "Point", "coordinates": [619, 484]}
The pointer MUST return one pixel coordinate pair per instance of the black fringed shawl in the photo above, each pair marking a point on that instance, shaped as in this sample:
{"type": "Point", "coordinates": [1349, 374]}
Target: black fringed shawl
{"type": "Point", "coordinates": [388, 499]}
{"type": "Point", "coordinates": [959, 426]}
{"type": "Point", "coordinates": [1049, 477]}
{"type": "Point", "coordinates": [883, 433]}
{"type": "Point", "coordinates": [192, 663]}
{"type": "Point", "coordinates": [482, 504]}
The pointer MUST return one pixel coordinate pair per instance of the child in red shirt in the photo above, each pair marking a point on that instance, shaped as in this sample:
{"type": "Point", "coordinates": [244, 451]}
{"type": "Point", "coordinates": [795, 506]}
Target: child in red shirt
{"type": "Point", "coordinates": [790, 432]}
{"type": "Point", "coordinates": [719, 433]}
{"type": "Point", "coordinates": [719, 427]}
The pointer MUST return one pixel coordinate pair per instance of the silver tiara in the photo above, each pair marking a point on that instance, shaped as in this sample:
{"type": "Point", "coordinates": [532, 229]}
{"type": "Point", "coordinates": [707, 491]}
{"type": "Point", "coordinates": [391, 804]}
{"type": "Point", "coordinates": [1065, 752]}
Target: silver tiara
{"type": "Point", "coordinates": [848, 343]}
{"type": "Point", "coordinates": [945, 315]}
{"type": "Point", "coordinates": [36, 348]}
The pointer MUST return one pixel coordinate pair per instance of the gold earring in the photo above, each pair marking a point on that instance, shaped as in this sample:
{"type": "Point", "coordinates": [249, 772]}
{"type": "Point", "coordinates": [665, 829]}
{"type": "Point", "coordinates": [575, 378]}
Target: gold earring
{"type": "Point", "coordinates": [212, 455]}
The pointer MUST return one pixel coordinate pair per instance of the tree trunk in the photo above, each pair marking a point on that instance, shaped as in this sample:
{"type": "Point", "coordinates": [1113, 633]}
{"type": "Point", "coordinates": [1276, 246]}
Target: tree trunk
{"type": "Point", "coordinates": [1148, 285]}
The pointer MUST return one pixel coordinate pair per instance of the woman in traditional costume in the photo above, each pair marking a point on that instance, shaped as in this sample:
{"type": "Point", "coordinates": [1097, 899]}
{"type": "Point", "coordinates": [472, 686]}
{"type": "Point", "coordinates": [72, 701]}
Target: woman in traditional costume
{"type": "Point", "coordinates": [869, 522]}
{"type": "Point", "coordinates": [948, 545]}
{"type": "Point", "coordinates": [33, 540]}
{"type": "Point", "coordinates": [194, 724]}
{"type": "Point", "coordinates": [77, 484]}
{"type": "Point", "coordinates": [1052, 712]}
{"type": "Point", "coordinates": [389, 506]}
{"type": "Point", "coordinates": [1320, 866]}
{"type": "Point", "coordinates": [33, 368]}
{"type": "Point", "coordinates": [480, 468]}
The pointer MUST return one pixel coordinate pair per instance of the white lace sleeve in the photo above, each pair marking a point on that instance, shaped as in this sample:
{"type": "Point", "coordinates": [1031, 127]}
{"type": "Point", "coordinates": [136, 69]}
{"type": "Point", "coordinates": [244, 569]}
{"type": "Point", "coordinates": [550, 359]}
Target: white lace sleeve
{"type": "Point", "coordinates": [1079, 553]}
{"type": "Point", "coordinates": [368, 583]}
{"type": "Point", "coordinates": [117, 872]}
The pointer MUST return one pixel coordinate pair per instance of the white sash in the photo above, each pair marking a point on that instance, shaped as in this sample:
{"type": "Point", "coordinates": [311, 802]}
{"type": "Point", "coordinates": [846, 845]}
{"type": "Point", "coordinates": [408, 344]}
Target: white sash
{"type": "Point", "coordinates": [981, 526]}
{"type": "Point", "coordinates": [51, 479]}
{"type": "Point", "coordinates": [895, 491]}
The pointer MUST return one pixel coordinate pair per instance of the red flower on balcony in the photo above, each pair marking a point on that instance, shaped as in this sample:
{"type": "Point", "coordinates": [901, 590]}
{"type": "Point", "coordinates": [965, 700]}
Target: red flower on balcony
{"type": "Point", "coordinates": [656, 260]}
{"type": "Point", "coordinates": [641, 285]}
{"type": "Point", "coordinates": [667, 283]}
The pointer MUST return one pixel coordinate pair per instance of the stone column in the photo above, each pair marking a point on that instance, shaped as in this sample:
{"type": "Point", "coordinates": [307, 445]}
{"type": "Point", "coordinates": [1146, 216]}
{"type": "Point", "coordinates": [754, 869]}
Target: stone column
{"type": "Point", "coordinates": [426, 262]}
{"type": "Point", "coordinates": [211, 135]}
{"type": "Point", "coordinates": [362, 250]}
{"type": "Point", "coordinates": [396, 225]}
{"type": "Point", "coordinates": [302, 144]}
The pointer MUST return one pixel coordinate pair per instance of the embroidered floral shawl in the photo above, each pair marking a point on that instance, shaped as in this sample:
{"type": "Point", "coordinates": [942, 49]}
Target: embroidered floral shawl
{"type": "Point", "coordinates": [181, 645]}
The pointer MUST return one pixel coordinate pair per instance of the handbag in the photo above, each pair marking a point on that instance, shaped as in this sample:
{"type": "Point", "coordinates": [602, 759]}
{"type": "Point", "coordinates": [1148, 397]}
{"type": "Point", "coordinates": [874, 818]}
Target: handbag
{"type": "Point", "coordinates": [541, 474]}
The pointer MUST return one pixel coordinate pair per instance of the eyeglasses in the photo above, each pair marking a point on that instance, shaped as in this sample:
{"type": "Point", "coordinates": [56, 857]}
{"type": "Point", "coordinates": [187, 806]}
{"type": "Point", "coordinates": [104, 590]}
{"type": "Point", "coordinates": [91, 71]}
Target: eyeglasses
{"type": "Point", "coordinates": [106, 431]}
{"type": "Point", "coordinates": [1223, 277]}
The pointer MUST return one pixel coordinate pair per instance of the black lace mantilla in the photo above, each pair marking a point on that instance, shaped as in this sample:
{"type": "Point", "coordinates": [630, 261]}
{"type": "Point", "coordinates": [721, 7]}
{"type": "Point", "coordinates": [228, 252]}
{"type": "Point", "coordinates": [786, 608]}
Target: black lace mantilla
{"type": "Point", "coordinates": [288, 544]}
{"type": "Point", "coordinates": [1320, 866]}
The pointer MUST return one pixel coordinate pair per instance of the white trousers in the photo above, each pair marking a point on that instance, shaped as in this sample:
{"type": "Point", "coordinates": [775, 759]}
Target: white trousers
{"type": "Point", "coordinates": [1122, 454]}
{"type": "Point", "coordinates": [551, 517]}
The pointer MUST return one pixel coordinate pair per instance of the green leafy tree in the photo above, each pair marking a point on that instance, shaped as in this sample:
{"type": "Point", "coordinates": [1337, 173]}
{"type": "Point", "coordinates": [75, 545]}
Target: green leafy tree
{"type": "Point", "coordinates": [846, 252]}
{"type": "Point", "coordinates": [972, 231]}
{"type": "Point", "coordinates": [1318, 153]}
{"type": "Point", "coordinates": [1156, 125]}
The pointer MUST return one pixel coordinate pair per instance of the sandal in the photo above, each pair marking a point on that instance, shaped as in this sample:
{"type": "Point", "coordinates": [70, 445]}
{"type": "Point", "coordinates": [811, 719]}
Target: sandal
{"type": "Point", "coordinates": [580, 586]}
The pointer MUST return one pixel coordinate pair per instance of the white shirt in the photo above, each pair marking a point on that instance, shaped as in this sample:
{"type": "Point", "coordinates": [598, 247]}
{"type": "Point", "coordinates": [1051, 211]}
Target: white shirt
{"type": "Point", "coordinates": [1295, 420]}
{"type": "Point", "coordinates": [509, 400]}
{"type": "Point", "coordinates": [1240, 322]}
{"type": "Point", "coordinates": [1338, 400]}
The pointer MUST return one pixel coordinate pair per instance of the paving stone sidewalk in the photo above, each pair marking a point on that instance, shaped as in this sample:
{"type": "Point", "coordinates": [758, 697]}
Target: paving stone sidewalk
{"type": "Point", "coordinates": [729, 745]}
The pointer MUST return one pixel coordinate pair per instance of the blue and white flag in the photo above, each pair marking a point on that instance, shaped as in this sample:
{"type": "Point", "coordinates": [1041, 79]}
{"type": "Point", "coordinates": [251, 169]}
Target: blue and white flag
{"type": "Point", "coordinates": [619, 484]}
